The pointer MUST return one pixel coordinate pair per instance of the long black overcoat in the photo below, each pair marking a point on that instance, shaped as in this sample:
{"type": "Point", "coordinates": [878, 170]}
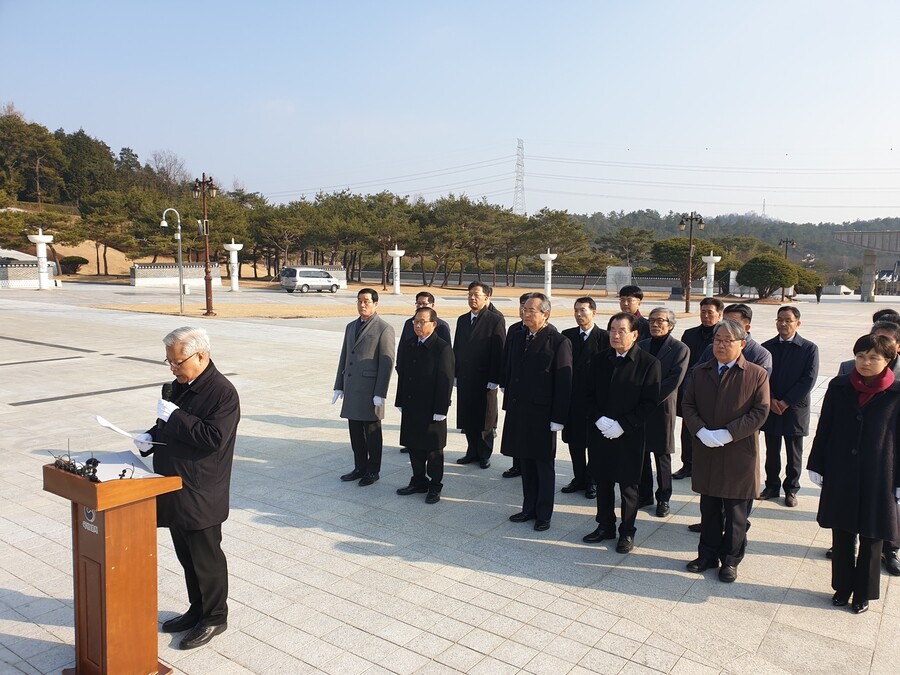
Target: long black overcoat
{"type": "Point", "coordinates": [538, 388]}
{"type": "Point", "coordinates": [627, 390]}
{"type": "Point", "coordinates": [583, 352]}
{"type": "Point", "coordinates": [479, 357]}
{"type": "Point", "coordinates": [199, 446]}
{"type": "Point", "coordinates": [856, 451]}
{"type": "Point", "coordinates": [424, 387]}
{"type": "Point", "coordinates": [795, 367]}
{"type": "Point", "coordinates": [673, 364]}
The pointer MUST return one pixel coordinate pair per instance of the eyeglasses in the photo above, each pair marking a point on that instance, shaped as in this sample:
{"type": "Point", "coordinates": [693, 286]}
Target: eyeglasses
{"type": "Point", "coordinates": [653, 321]}
{"type": "Point", "coordinates": [531, 310]}
{"type": "Point", "coordinates": [421, 322]}
{"type": "Point", "coordinates": [724, 342]}
{"type": "Point", "coordinates": [178, 364]}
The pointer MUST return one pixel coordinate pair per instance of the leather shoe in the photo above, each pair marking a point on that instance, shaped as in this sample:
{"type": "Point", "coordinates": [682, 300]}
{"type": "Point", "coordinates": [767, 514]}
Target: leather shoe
{"type": "Point", "coordinates": [573, 486]}
{"type": "Point", "coordinates": [830, 553]}
{"type": "Point", "coordinates": [860, 606]}
{"type": "Point", "coordinates": [485, 464]}
{"type": "Point", "coordinates": [625, 544]}
{"type": "Point", "coordinates": [590, 491]}
{"type": "Point", "coordinates": [411, 490]}
{"type": "Point", "coordinates": [769, 493]}
{"type": "Point", "coordinates": [662, 509]}
{"type": "Point", "coordinates": [433, 497]}
{"type": "Point", "coordinates": [541, 525]}
{"type": "Point", "coordinates": [681, 473]}
{"type": "Point", "coordinates": [598, 535]}
{"type": "Point", "coordinates": [840, 599]}
{"type": "Point", "coordinates": [701, 565]}
{"type": "Point", "coordinates": [790, 499]}
{"type": "Point", "coordinates": [180, 623]}
{"type": "Point", "coordinates": [466, 460]}
{"type": "Point", "coordinates": [696, 527]}
{"type": "Point", "coordinates": [353, 475]}
{"type": "Point", "coordinates": [521, 517]}
{"type": "Point", "coordinates": [368, 479]}
{"type": "Point", "coordinates": [514, 472]}
{"type": "Point", "coordinates": [200, 634]}
{"type": "Point", "coordinates": [891, 564]}
{"type": "Point", "coordinates": [404, 451]}
{"type": "Point", "coordinates": [728, 573]}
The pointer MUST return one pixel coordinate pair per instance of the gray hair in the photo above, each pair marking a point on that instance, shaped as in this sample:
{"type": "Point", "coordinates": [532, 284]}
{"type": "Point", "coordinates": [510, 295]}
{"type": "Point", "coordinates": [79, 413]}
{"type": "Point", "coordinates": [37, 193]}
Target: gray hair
{"type": "Point", "coordinates": [545, 301]}
{"type": "Point", "coordinates": [734, 328]}
{"type": "Point", "coordinates": [670, 315]}
{"type": "Point", "coordinates": [192, 340]}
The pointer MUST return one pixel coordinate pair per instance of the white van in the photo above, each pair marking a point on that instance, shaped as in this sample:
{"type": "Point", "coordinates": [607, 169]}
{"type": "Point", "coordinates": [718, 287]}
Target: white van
{"type": "Point", "coordinates": [305, 279]}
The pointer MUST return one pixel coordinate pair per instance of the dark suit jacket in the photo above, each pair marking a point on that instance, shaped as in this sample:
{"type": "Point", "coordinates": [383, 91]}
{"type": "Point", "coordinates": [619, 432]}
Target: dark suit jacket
{"type": "Point", "coordinates": [583, 351]}
{"type": "Point", "coordinates": [626, 390]}
{"type": "Point", "coordinates": [199, 446]}
{"type": "Point", "coordinates": [538, 388]}
{"type": "Point", "coordinates": [504, 368]}
{"type": "Point", "coordinates": [479, 359]}
{"type": "Point", "coordinates": [795, 367]}
{"type": "Point", "coordinates": [697, 339]}
{"type": "Point", "coordinates": [409, 333]}
{"type": "Point", "coordinates": [673, 364]}
{"type": "Point", "coordinates": [424, 387]}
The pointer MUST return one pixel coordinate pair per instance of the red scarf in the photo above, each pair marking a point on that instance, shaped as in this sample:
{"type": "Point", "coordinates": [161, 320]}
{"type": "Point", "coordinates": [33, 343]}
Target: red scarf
{"type": "Point", "coordinates": [866, 392]}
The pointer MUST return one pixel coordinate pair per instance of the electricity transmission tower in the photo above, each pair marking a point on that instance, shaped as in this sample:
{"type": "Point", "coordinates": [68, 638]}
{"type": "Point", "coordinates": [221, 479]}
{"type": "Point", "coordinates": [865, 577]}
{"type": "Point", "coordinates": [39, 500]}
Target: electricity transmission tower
{"type": "Point", "coordinates": [519, 194]}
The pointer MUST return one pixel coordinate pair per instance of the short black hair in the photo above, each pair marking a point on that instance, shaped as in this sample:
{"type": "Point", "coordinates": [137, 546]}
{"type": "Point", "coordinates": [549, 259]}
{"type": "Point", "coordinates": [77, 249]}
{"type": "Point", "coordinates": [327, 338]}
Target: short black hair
{"type": "Point", "coordinates": [886, 315]}
{"type": "Point", "coordinates": [888, 327]}
{"type": "Point", "coordinates": [715, 302]}
{"type": "Point", "coordinates": [587, 300]}
{"type": "Point", "coordinates": [789, 308]}
{"type": "Point", "coordinates": [370, 291]}
{"type": "Point", "coordinates": [484, 287]}
{"type": "Point", "coordinates": [425, 294]}
{"type": "Point", "coordinates": [523, 298]}
{"type": "Point", "coordinates": [631, 291]}
{"type": "Point", "coordinates": [631, 318]}
{"type": "Point", "coordinates": [878, 343]}
{"type": "Point", "coordinates": [740, 308]}
{"type": "Point", "coordinates": [432, 315]}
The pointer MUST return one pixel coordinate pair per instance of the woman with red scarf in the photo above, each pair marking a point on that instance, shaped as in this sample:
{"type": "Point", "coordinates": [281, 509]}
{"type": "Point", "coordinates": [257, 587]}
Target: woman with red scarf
{"type": "Point", "coordinates": [855, 460]}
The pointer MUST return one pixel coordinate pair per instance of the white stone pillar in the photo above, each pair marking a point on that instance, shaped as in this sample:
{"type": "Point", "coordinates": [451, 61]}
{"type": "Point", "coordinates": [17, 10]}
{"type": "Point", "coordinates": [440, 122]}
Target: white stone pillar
{"type": "Point", "coordinates": [710, 286]}
{"type": "Point", "coordinates": [40, 241]}
{"type": "Point", "coordinates": [548, 259]}
{"type": "Point", "coordinates": [233, 249]}
{"type": "Point", "coordinates": [396, 254]}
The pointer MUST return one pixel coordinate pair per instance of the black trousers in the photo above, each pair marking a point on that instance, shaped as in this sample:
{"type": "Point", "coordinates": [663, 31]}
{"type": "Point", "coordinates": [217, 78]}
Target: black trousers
{"type": "Point", "coordinates": [859, 574]}
{"type": "Point", "coordinates": [794, 448]}
{"type": "Point", "coordinates": [606, 506]}
{"type": "Point", "coordinates": [538, 486]}
{"type": "Point", "coordinates": [580, 467]}
{"type": "Point", "coordinates": [205, 572]}
{"type": "Point", "coordinates": [723, 529]}
{"type": "Point", "coordinates": [427, 468]}
{"type": "Point", "coordinates": [478, 446]}
{"type": "Point", "coordinates": [663, 478]}
{"type": "Point", "coordinates": [366, 441]}
{"type": "Point", "coordinates": [687, 448]}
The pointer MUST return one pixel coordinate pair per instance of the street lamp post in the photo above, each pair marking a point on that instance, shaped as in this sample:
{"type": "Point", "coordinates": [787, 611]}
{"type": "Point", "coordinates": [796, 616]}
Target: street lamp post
{"type": "Point", "coordinates": [163, 223]}
{"type": "Point", "coordinates": [202, 187]}
{"type": "Point", "coordinates": [687, 222]}
{"type": "Point", "coordinates": [786, 242]}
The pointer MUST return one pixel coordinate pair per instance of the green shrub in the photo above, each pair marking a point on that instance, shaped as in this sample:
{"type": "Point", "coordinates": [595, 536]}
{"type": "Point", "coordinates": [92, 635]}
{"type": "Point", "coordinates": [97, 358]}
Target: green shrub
{"type": "Point", "coordinates": [70, 264]}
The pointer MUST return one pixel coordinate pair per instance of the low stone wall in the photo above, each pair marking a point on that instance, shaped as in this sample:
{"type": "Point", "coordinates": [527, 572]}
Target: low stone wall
{"type": "Point", "coordinates": [24, 274]}
{"type": "Point", "coordinates": [166, 274]}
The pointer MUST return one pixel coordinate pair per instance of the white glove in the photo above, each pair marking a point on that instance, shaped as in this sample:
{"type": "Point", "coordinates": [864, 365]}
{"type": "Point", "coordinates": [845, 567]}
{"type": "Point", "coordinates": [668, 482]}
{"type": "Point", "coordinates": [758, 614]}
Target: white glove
{"type": "Point", "coordinates": [492, 385]}
{"type": "Point", "coordinates": [556, 426]}
{"type": "Point", "coordinates": [378, 402]}
{"type": "Point", "coordinates": [816, 478]}
{"type": "Point", "coordinates": [399, 408]}
{"type": "Point", "coordinates": [603, 423]}
{"type": "Point", "coordinates": [454, 381]}
{"type": "Point", "coordinates": [897, 494]}
{"type": "Point", "coordinates": [165, 408]}
{"type": "Point", "coordinates": [708, 438]}
{"type": "Point", "coordinates": [338, 393]}
{"type": "Point", "coordinates": [723, 436]}
{"type": "Point", "coordinates": [614, 430]}
{"type": "Point", "coordinates": [142, 442]}
{"type": "Point", "coordinates": [438, 418]}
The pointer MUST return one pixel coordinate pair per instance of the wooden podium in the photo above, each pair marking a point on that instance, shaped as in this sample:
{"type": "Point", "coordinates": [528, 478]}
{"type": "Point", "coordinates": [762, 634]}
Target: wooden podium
{"type": "Point", "coordinates": [114, 569]}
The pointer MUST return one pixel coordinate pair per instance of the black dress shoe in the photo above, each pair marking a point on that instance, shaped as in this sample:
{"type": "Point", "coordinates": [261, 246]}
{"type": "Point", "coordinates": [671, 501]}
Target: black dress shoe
{"type": "Point", "coordinates": [353, 475]}
{"type": "Point", "coordinates": [728, 573]}
{"type": "Point", "coordinates": [701, 565]}
{"type": "Point", "coordinates": [696, 527]}
{"type": "Point", "coordinates": [180, 623]}
{"type": "Point", "coordinates": [485, 464]}
{"type": "Point", "coordinates": [891, 564]}
{"type": "Point", "coordinates": [860, 606]}
{"type": "Point", "coordinates": [830, 553]}
{"type": "Point", "coordinates": [200, 634]}
{"type": "Point", "coordinates": [512, 473]}
{"type": "Point", "coordinates": [599, 535]}
{"type": "Point", "coordinates": [590, 492]}
{"type": "Point", "coordinates": [521, 517]}
{"type": "Point", "coordinates": [840, 599]}
{"type": "Point", "coordinates": [368, 479]}
{"type": "Point", "coordinates": [541, 525]}
{"type": "Point", "coordinates": [769, 493]}
{"type": "Point", "coordinates": [573, 486]}
{"type": "Point", "coordinates": [433, 497]}
{"type": "Point", "coordinates": [404, 451]}
{"type": "Point", "coordinates": [625, 544]}
{"type": "Point", "coordinates": [790, 499]}
{"type": "Point", "coordinates": [681, 473]}
{"type": "Point", "coordinates": [466, 460]}
{"type": "Point", "coordinates": [662, 509]}
{"type": "Point", "coordinates": [411, 490]}
{"type": "Point", "coordinates": [647, 501]}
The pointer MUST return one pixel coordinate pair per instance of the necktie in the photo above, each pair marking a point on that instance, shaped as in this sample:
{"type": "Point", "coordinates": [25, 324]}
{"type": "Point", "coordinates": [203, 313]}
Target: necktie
{"type": "Point", "coordinates": [474, 319]}
{"type": "Point", "coordinates": [722, 371]}
{"type": "Point", "coordinates": [528, 339]}
{"type": "Point", "coordinates": [584, 337]}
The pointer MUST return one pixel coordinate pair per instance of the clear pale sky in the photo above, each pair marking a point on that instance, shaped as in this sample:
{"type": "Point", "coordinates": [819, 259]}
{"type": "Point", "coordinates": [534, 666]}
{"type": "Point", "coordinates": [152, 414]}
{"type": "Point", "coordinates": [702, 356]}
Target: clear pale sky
{"type": "Point", "coordinates": [709, 106]}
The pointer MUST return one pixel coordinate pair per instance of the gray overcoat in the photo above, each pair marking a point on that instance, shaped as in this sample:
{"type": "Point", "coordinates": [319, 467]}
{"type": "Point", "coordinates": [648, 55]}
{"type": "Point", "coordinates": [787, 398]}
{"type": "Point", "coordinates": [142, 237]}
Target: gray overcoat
{"type": "Point", "coordinates": [365, 367]}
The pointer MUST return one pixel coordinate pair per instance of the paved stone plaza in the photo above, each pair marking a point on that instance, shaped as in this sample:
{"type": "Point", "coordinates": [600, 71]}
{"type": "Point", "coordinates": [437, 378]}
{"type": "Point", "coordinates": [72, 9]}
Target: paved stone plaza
{"type": "Point", "coordinates": [330, 577]}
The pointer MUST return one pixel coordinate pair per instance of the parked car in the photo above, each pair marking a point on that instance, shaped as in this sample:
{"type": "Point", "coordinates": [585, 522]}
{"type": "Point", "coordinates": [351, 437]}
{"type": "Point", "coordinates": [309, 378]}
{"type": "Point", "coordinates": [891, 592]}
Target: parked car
{"type": "Point", "coordinates": [306, 279]}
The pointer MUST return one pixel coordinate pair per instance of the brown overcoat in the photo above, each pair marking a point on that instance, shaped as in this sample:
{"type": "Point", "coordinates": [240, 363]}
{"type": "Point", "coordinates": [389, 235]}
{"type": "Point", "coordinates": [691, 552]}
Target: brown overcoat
{"type": "Point", "coordinates": [739, 403]}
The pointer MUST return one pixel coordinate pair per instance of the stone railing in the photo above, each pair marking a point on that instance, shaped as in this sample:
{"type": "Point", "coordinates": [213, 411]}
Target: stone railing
{"type": "Point", "coordinates": [166, 274]}
{"type": "Point", "coordinates": [24, 274]}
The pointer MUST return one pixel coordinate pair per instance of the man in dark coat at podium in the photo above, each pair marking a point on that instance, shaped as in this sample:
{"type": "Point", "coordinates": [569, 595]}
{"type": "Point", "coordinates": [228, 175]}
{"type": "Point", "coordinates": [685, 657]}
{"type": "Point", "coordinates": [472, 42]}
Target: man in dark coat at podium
{"type": "Point", "coordinates": [196, 428]}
